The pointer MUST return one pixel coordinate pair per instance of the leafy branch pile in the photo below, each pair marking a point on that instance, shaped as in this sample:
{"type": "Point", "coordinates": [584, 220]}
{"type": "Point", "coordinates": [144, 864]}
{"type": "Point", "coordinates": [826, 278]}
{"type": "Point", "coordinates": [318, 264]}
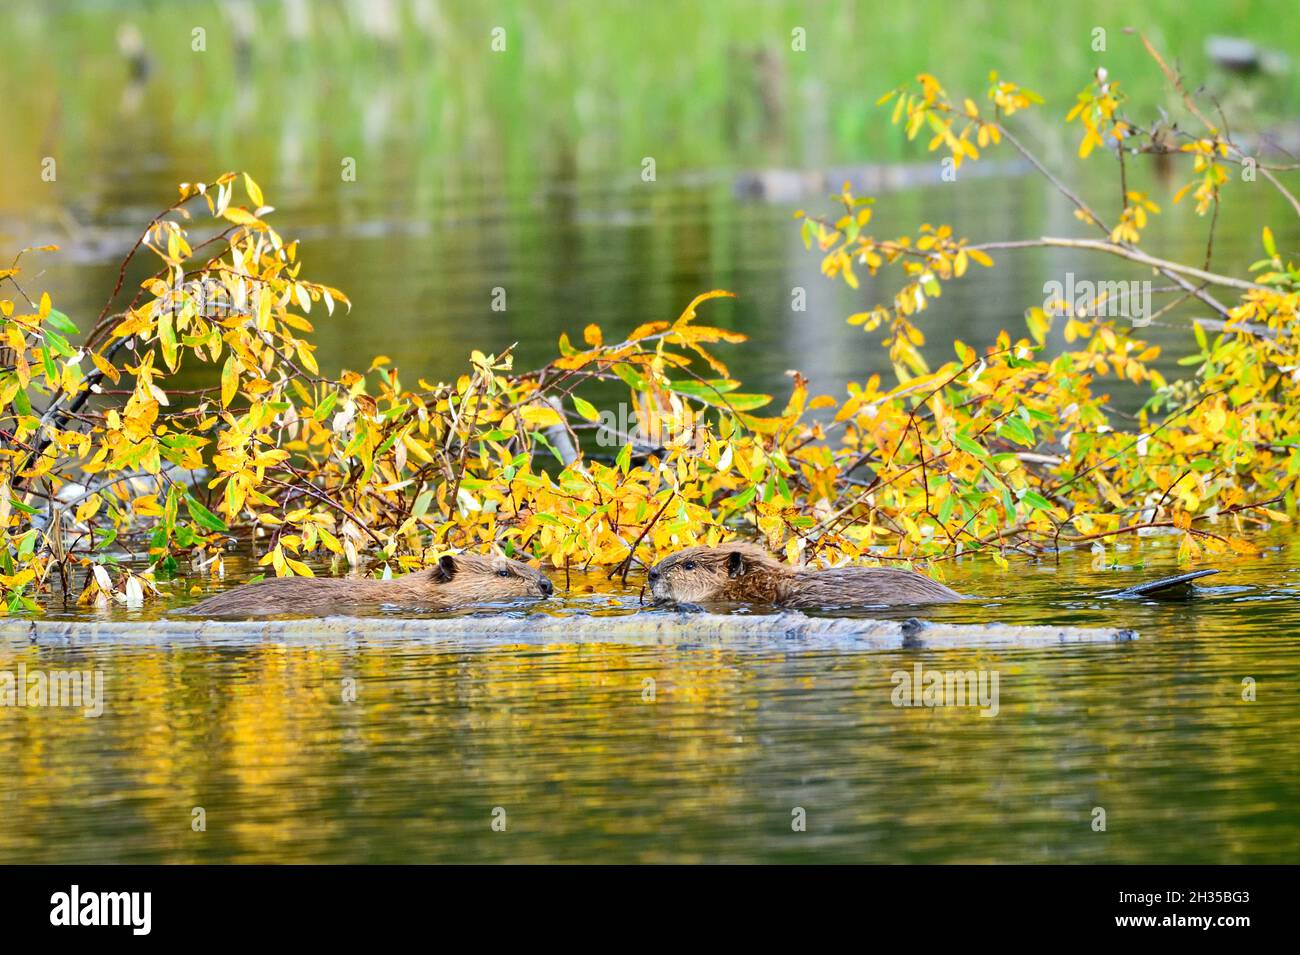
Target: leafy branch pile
{"type": "Point", "coordinates": [104, 454]}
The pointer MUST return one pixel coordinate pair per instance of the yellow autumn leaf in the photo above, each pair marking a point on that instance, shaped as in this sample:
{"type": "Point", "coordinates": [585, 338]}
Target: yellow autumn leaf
{"type": "Point", "coordinates": [240, 216]}
{"type": "Point", "coordinates": [688, 314]}
{"type": "Point", "coordinates": [229, 380]}
{"type": "Point", "coordinates": [541, 416]}
{"type": "Point", "coordinates": [254, 191]}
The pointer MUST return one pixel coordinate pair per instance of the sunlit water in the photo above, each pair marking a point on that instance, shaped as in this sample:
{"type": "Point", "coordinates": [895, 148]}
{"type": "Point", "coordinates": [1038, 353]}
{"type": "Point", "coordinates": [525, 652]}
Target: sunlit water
{"type": "Point", "coordinates": [443, 733]}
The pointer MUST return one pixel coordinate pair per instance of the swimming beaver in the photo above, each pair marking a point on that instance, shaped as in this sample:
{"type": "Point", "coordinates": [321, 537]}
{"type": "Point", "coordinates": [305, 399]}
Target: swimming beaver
{"type": "Point", "coordinates": [744, 573]}
{"type": "Point", "coordinates": [456, 580]}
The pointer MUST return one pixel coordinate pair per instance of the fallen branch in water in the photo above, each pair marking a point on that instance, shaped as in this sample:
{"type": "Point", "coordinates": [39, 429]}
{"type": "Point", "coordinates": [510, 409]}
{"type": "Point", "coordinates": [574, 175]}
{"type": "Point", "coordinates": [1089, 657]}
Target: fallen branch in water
{"type": "Point", "coordinates": [660, 628]}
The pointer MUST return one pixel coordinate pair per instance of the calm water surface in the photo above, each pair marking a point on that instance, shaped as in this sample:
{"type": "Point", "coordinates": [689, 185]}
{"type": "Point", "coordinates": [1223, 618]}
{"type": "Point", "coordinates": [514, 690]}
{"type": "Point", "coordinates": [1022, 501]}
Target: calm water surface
{"type": "Point", "coordinates": [559, 736]}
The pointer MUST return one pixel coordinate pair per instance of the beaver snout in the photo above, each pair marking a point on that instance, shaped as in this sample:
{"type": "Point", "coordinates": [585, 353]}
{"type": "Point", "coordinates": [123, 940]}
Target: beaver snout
{"type": "Point", "coordinates": [546, 587]}
{"type": "Point", "coordinates": [654, 579]}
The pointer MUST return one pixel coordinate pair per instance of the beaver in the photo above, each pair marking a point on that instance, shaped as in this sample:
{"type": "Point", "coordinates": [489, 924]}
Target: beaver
{"type": "Point", "coordinates": [454, 581]}
{"type": "Point", "coordinates": [744, 573]}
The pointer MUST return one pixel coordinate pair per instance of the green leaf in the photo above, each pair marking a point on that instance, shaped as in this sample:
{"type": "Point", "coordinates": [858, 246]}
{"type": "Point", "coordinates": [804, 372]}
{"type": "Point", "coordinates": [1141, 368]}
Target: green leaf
{"type": "Point", "coordinates": [703, 389]}
{"type": "Point", "coordinates": [167, 338]}
{"type": "Point", "coordinates": [969, 446]}
{"type": "Point", "coordinates": [634, 379]}
{"type": "Point", "coordinates": [60, 322]}
{"type": "Point", "coordinates": [741, 500]}
{"type": "Point", "coordinates": [27, 543]}
{"type": "Point", "coordinates": [47, 357]}
{"type": "Point", "coordinates": [542, 439]}
{"type": "Point", "coordinates": [1036, 501]}
{"type": "Point", "coordinates": [179, 442]}
{"type": "Point", "coordinates": [1199, 331]}
{"type": "Point", "coordinates": [585, 408]}
{"type": "Point", "coordinates": [59, 344]}
{"type": "Point", "coordinates": [421, 506]}
{"type": "Point", "coordinates": [19, 505]}
{"type": "Point", "coordinates": [737, 402]}
{"type": "Point", "coordinates": [202, 516]}
{"type": "Point", "coordinates": [783, 486]}
{"type": "Point", "coordinates": [1016, 430]}
{"type": "Point", "coordinates": [326, 406]}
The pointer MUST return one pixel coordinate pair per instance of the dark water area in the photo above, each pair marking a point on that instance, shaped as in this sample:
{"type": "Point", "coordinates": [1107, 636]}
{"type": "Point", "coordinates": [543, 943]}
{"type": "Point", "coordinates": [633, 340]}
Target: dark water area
{"type": "Point", "coordinates": [423, 272]}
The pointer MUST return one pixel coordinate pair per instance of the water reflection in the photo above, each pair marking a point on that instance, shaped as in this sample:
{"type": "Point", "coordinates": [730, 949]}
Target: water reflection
{"type": "Point", "coordinates": [589, 761]}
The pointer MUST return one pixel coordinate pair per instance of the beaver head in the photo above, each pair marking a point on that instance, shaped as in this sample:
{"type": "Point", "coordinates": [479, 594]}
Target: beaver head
{"type": "Point", "coordinates": [475, 578]}
{"type": "Point", "coordinates": [735, 571]}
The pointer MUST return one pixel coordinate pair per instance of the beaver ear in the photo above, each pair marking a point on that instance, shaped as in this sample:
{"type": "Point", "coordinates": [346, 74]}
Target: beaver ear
{"type": "Point", "coordinates": [445, 570]}
{"type": "Point", "coordinates": [735, 564]}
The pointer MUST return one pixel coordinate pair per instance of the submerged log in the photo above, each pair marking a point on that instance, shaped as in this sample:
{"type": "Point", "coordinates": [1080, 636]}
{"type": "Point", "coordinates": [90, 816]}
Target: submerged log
{"type": "Point", "coordinates": [641, 628]}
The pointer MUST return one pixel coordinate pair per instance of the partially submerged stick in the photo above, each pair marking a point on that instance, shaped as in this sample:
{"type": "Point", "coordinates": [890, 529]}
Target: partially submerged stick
{"type": "Point", "coordinates": [641, 628]}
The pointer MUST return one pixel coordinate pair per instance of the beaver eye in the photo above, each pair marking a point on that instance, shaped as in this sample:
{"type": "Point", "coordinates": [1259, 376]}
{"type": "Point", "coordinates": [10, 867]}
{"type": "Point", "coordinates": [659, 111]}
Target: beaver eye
{"type": "Point", "coordinates": [503, 573]}
{"type": "Point", "coordinates": [688, 565]}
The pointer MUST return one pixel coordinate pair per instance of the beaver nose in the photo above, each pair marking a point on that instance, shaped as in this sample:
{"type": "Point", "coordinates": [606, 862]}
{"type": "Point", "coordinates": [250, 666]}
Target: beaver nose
{"type": "Point", "coordinates": [653, 575]}
{"type": "Point", "coordinates": [547, 587]}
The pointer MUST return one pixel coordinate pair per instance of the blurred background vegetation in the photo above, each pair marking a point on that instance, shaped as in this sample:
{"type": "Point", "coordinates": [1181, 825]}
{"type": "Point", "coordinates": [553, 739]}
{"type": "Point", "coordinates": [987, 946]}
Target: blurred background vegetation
{"type": "Point", "coordinates": [521, 168]}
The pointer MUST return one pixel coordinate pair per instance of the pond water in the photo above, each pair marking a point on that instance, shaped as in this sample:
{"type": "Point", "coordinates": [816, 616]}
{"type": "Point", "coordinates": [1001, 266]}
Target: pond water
{"type": "Point", "coordinates": [559, 736]}
{"type": "Point", "coordinates": [443, 733]}
{"type": "Point", "coordinates": [472, 180]}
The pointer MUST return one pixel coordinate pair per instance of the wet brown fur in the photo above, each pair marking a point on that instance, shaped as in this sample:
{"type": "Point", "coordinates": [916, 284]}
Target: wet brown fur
{"type": "Point", "coordinates": [455, 581]}
{"type": "Point", "coordinates": [745, 573]}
